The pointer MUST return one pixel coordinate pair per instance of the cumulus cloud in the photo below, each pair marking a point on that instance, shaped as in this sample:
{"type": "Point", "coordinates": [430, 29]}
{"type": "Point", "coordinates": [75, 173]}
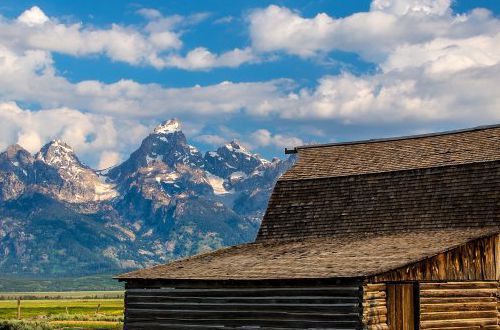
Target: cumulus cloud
{"type": "Point", "coordinates": [202, 59]}
{"type": "Point", "coordinates": [403, 7]}
{"type": "Point", "coordinates": [211, 139]}
{"type": "Point", "coordinates": [90, 135]}
{"type": "Point", "coordinates": [373, 35]}
{"type": "Point", "coordinates": [108, 159]}
{"type": "Point", "coordinates": [34, 30]}
{"type": "Point", "coordinates": [157, 43]}
{"type": "Point", "coordinates": [33, 16]}
{"type": "Point", "coordinates": [430, 62]}
{"type": "Point", "coordinates": [444, 55]}
{"type": "Point", "coordinates": [264, 138]}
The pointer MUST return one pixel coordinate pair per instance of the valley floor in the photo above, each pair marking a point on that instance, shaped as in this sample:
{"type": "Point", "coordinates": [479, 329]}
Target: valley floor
{"type": "Point", "coordinates": [62, 310]}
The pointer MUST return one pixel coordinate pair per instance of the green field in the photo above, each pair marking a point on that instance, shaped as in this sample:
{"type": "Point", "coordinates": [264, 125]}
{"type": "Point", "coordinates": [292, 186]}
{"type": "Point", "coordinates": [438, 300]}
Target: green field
{"type": "Point", "coordinates": [65, 310]}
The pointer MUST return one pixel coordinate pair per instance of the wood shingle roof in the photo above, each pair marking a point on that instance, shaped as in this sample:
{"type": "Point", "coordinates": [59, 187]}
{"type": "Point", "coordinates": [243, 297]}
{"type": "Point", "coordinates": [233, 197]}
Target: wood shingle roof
{"type": "Point", "coordinates": [327, 257]}
{"type": "Point", "coordinates": [460, 196]}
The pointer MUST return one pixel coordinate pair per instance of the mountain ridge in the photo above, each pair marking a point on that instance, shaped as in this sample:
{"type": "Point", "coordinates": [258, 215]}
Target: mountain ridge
{"type": "Point", "coordinates": [166, 201]}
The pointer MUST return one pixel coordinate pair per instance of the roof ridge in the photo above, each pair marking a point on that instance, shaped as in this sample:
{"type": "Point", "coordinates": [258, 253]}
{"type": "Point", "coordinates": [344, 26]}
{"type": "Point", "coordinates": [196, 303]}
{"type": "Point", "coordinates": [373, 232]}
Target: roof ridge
{"type": "Point", "coordinates": [396, 138]}
{"type": "Point", "coordinates": [283, 178]}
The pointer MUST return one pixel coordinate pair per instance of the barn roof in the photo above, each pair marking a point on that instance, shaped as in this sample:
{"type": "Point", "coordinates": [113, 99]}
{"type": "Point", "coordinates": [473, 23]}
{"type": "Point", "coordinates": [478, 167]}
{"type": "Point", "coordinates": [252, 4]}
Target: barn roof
{"type": "Point", "coordinates": [343, 256]}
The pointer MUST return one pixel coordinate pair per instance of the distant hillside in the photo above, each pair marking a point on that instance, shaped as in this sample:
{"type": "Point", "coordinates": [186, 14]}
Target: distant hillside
{"type": "Point", "coordinates": [87, 283]}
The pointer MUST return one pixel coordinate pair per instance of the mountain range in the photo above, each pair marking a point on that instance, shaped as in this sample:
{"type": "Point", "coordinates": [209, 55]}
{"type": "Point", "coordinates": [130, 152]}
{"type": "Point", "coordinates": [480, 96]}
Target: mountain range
{"type": "Point", "coordinates": [61, 218]}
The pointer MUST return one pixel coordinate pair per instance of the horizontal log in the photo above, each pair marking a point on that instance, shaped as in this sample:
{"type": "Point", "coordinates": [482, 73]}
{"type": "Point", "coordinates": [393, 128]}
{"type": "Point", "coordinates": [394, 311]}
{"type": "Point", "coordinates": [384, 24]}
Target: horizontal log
{"type": "Point", "coordinates": [374, 295]}
{"type": "Point", "coordinates": [375, 320]}
{"type": "Point", "coordinates": [468, 327]}
{"type": "Point", "coordinates": [246, 314]}
{"type": "Point", "coordinates": [458, 323]}
{"type": "Point", "coordinates": [446, 300]}
{"type": "Point", "coordinates": [491, 314]}
{"type": "Point", "coordinates": [459, 293]}
{"type": "Point", "coordinates": [375, 287]}
{"type": "Point", "coordinates": [458, 285]}
{"type": "Point", "coordinates": [377, 327]}
{"type": "Point", "coordinates": [375, 311]}
{"type": "Point", "coordinates": [264, 289]}
{"type": "Point", "coordinates": [466, 306]}
{"type": "Point", "coordinates": [269, 299]}
{"type": "Point", "coordinates": [248, 323]}
{"type": "Point", "coordinates": [279, 292]}
{"type": "Point", "coordinates": [244, 307]}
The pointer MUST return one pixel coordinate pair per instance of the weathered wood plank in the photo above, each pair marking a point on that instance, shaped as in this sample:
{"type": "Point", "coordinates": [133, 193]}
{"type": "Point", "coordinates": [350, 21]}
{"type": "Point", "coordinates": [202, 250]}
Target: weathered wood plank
{"type": "Point", "coordinates": [474, 261]}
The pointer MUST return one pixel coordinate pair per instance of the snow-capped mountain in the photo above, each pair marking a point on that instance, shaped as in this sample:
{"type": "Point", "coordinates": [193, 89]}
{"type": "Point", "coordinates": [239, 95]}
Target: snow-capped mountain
{"type": "Point", "coordinates": [166, 201]}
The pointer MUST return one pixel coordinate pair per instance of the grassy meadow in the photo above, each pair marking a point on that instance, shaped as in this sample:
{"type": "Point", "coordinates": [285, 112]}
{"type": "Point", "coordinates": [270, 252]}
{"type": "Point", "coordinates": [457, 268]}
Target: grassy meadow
{"type": "Point", "coordinates": [62, 310]}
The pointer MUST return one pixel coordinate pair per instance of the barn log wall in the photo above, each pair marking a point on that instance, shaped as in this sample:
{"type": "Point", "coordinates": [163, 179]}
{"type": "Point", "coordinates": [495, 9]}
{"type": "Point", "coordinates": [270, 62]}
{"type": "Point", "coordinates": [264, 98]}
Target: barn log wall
{"type": "Point", "coordinates": [475, 261]}
{"type": "Point", "coordinates": [375, 306]}
{"type": "Point", "coordinates": [243, 305]}
{"type": "Point", "coordinates": [459, 305]}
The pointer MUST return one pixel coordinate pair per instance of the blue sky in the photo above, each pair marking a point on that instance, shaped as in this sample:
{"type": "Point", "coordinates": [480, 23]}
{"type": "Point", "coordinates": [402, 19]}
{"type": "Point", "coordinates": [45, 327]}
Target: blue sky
{"type": "Point", "coordinates": [273, 74]}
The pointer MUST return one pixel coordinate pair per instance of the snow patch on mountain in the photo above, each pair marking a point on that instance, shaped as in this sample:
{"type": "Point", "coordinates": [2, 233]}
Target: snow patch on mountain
{"type": "Point", "coordinates": [217, 184]}
{"type": "Point", "coordinates": [104, 191]}
{"type": "Point", "coordinates": [168, 127]}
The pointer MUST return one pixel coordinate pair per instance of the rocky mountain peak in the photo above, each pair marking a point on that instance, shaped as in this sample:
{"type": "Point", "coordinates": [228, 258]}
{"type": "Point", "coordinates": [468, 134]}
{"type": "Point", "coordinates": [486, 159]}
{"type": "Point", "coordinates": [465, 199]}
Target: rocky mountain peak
{"type": "Point", "coordinates": [57, 153]}
{"type": "Point", "coordinates": [236, 146]}
{"type": "Point", "coordinates": [13, 150]}
{"type": "Point", "coordinates": [16, 155]}
{"type": "Point", "coordinates": [15, 170]}
{"type": "Point", "coordinates": [232, 157]}
{"type": "Point", "coordinates": [167, 144]}
{"type": "Point", "coordinates": [168, 127]}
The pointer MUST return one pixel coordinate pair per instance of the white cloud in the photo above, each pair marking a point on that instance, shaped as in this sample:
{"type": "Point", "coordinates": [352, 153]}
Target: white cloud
{"type": "Point", "coordinates": [224, 20]}
{"type": "Point", "coordinates": [30, 140]}
{"type": "Point", "coordinates": [403, 7]}
{"type": "Point", "coordinates": [157, 43]}
{"type": "Point", "coordinates": [211, 139]}
{"type": "Point", "coordinates": [150, 13]}
{"type": "Point", "coordinates": [443, 55]}
{"type": "Point", "coordinates": [430, 62]}
{"type": "Point", "coordinates": [398, 92]}
{"type": "Point", "coordinates": [109, 159]}
{"type": "Point", "coordinates": [373, 35]}
{"type": "Point", "coordinates": [415, 97]}
{"type": "Point", "coordinates": [264, 138]}
{"type": "Point", "coordinates": [202, 59]}
{"type": "Point", "coordinates": [119, 43]}
{"type": "Point", "coordinates": [33, 16]}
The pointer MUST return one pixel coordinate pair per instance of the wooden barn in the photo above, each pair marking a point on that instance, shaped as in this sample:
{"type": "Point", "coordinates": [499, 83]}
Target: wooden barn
{"type": "Point", "coordinates": [396, 233]}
